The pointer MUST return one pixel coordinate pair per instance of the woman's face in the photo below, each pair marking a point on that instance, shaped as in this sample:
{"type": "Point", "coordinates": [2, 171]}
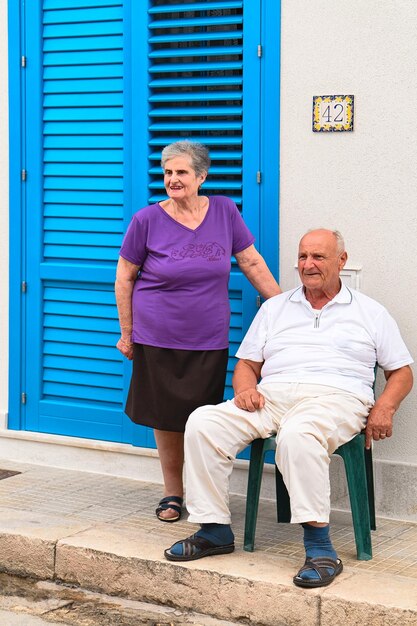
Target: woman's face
{"type": "Point", "coordinates": [180, 180]}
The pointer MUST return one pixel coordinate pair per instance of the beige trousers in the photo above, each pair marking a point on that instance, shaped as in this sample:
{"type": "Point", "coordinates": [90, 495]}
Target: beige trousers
{"type": "Point", "coordinates": [310, 422]}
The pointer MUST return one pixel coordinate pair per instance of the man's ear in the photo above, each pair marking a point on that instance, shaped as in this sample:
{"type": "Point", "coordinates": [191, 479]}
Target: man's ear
{"type": "Point", "coordinates": [342, 260]}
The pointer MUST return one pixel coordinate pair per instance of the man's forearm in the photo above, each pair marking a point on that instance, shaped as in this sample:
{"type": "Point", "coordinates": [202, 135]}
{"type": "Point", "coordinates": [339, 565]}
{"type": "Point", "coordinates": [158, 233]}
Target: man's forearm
{"type": "Point", "coordinates": [398, 386]}
{"type": "Point", "coordinates": [244, 377]}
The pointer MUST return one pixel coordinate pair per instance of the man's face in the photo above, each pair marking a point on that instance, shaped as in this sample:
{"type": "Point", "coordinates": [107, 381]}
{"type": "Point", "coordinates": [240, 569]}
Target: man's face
{"type": "Point", "coordinates": [320, 262]}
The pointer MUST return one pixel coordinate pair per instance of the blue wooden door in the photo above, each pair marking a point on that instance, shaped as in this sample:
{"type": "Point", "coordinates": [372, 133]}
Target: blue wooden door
{"type": "Point", "coordinates": [105, 86]}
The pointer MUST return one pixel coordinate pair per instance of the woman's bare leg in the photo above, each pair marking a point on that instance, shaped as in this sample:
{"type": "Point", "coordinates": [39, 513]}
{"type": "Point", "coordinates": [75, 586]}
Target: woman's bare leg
{"type": "Point", "coordinates": [171, 455]}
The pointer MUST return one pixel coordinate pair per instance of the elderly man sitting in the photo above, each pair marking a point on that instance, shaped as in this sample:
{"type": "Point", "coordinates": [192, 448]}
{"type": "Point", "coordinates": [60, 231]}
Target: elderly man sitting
{"type": "Point", "coordinates": [315, 348]}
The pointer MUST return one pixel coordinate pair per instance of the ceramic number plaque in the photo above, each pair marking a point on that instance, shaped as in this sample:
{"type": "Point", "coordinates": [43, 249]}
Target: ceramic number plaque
{"type": "Point", "coordinates": [332, 113]}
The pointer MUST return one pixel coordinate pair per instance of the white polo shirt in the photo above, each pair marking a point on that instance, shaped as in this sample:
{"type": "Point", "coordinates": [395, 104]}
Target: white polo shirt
{"type": "Point", "coordinates": [336, 346]}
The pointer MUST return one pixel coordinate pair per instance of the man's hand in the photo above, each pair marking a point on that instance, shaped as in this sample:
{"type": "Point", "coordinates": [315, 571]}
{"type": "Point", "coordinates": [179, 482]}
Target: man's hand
{"type": "Point", "coordinates": [249, 400]}
{"type": "Point", "coordinates": [379, 424]}
{"type": "Point", "coordinates": [398, 385]}
{"type": "Point", "coordinates": [245, 379]}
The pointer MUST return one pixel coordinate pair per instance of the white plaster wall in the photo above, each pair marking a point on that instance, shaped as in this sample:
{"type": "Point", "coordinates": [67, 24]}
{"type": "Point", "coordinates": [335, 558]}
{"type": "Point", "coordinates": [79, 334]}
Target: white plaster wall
{"type": "Point", "coordinates": [364, 183]}
{"type": "Point", "coordinates": [4, 213]}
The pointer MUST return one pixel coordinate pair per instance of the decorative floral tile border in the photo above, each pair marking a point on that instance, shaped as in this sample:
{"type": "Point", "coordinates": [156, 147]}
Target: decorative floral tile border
{"type": "Point", "coordinates": [340, 106]}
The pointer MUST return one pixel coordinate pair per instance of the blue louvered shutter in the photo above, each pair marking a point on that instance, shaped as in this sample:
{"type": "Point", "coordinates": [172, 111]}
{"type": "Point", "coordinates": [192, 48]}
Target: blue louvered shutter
{"type": "Point", "coordinates": [97, 117]}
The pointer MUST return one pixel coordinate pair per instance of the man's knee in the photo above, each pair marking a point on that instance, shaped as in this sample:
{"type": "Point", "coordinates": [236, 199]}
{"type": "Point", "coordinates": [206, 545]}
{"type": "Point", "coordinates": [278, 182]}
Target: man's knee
{"type": "Point", "coordinates": [195, 420]}
{"type": "Point", "coordinates": [296, 444]}
{"type": "Point", "coordinates": [203, 421]}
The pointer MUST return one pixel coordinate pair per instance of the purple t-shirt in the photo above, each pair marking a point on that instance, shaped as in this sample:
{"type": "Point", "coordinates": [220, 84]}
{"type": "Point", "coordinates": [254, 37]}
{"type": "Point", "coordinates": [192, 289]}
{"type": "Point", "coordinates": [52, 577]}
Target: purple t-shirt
{"type": "Point", "coordinates": [180, 298]}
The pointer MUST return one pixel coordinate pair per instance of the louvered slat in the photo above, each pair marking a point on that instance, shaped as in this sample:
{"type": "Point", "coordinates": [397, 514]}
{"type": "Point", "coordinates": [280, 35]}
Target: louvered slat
{"type": "Point", "coordinates": [74, 169]}
{"type": "Point", "coordinates": [83, 30]}
{"type": "Point", "coordinates": [189, 127]}
{"type": "Point", "coordinates": [194, 22]}
{"type": "Point", "coordinates": [197, 96]}
{"type": "Point", "coordinates": [82, 364]}
{"type": "Point", "coordinates": [196, 6]}
{"type": "Point", "coordinates": [74, 225]}
{"type": "Point", "coordinates": [203, 36]}
{"type": "Point", "coordinates": [99, 85]}
{"type": "Point", "coordinates": [83, 15]}
{"type": "Point", "coordinates": [212, 66]}
{"type": "Point", "coordinates": [225, 170]}
{"type": "Point", "coordinates": [209, 140]}
{"type": "Point", "coordinates": [215, 155]}
{"type": "Point", "coordinates": [83, 156]}
{"type": "Point", "coordinates": [76, 4]}
{"type": "Point", "coordinates": [111, 212]}
{"type": "Point", "coordinates": [79, 323]}
{"type": "Point", "coordinates": [82, 57]}
{"type": "Point", "coordinates": [64, 101]}
{"type": "Point", "coordinates": [195, 52]}
{"type": "Point", "coordinates": [63, 348]}
{"type": "Point", "coordinates": [85, 43]}
{"type": "Point", "coordinates": [83, 141]}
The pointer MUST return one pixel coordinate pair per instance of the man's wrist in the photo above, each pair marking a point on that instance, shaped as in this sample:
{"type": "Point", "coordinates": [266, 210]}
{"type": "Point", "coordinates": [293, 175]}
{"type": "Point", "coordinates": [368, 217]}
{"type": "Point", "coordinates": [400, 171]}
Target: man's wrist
{"type": "Point", "coordinates": [385, 405]}
{"type": "Point", "coordinates": [242, 390]}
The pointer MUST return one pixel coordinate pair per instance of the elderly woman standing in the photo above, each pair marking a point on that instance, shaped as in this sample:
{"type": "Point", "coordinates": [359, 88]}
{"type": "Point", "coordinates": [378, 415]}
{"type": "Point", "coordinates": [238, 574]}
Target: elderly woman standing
{"type": "Point", "coordinates": [172, 297]}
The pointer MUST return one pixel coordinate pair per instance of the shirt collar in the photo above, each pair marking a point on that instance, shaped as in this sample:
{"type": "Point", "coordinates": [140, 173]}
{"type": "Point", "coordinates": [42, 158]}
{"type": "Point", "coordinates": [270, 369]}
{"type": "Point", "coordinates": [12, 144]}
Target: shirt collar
{"type": "Point", "coordinates": [344, 296]}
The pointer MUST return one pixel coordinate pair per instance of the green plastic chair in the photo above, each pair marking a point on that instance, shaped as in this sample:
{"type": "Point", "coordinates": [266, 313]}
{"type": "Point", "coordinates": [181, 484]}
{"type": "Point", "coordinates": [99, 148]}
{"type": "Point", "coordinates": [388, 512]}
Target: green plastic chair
{"type": "Point", "coordinates": [359, 474]}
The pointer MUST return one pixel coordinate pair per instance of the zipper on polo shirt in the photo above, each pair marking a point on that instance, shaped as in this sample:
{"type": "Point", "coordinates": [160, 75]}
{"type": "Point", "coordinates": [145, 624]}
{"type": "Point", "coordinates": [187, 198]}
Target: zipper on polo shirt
{"type": "Point", "coordinates": [317, 319]}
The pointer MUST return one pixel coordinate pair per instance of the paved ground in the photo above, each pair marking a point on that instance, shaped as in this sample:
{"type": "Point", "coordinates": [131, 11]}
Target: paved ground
{"type": "Point", "coordinates": [100, 532]}
{"type": "Point", "coordinates": [129, 504]}
{"type": "Point", "coordinates": [16, 619]}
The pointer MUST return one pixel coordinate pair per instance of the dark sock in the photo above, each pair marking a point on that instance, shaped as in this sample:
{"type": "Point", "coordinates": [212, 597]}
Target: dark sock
{"type": "Point", "coordinates": [317, 543]}
{"type": "Point", "coordinates": [218, 534]}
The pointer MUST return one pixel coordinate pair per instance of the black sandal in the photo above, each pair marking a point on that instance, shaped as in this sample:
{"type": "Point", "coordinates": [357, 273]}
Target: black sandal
{"type": "Point", "coordinates": [196, 547]}
{"type": "Point", "coordinates": [321, 565]}
{"type": "Point", "coordinates": [167, 503]}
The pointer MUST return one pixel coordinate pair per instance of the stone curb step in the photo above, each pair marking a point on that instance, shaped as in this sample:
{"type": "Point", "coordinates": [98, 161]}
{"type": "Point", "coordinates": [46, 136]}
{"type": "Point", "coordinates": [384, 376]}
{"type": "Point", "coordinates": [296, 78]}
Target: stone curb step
{"type": "Point", "coordinates": [248, 588]}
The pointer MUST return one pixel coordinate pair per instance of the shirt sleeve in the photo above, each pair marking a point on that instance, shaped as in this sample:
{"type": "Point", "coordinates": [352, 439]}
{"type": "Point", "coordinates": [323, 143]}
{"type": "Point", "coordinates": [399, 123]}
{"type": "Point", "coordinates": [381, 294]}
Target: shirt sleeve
{"type": "Point", "coordinates": [391, 351]}
{"type": "Point", "coordinates": [134, 242]}
{"type": "Point", "coordinates": [252, 346]}
{"type": "Point", "coordinates": [242, 237]}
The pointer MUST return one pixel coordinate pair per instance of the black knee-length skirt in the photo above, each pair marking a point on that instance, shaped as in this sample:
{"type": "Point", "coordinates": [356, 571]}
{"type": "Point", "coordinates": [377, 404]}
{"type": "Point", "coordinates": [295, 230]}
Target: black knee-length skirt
{"type": "Point", "coordinates": [167, 384]}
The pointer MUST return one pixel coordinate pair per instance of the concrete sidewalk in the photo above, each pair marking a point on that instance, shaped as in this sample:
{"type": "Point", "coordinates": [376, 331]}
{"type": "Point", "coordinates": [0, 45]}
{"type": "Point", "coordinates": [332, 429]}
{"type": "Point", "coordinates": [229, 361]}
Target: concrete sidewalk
{"type": "Point", "coordinates": [100, 532]}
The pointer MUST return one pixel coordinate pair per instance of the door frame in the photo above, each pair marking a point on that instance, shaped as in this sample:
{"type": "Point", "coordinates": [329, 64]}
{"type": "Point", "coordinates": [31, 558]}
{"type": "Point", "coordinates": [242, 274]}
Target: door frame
{"type": "Point", "coordinates": [270, 133]}
{"type": "Point", "coordinates": [17, 202]}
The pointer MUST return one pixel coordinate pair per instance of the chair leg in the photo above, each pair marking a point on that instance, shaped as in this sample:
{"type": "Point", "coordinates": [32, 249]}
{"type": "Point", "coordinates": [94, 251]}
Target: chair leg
{"type": "Point", "coordinates": [256, 466]}
{"type": "Point", "coordinates": [353, 457]}
{"type": "Point", "coordinates": [370, 485]}
{"type": "Point", "coordinates": [283, 499]}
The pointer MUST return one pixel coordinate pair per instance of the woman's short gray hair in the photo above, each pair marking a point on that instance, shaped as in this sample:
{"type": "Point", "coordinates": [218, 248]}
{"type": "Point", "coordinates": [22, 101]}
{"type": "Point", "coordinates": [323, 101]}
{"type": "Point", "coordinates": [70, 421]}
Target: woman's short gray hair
{"type": "Point", "coordinates": [198, 153]}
